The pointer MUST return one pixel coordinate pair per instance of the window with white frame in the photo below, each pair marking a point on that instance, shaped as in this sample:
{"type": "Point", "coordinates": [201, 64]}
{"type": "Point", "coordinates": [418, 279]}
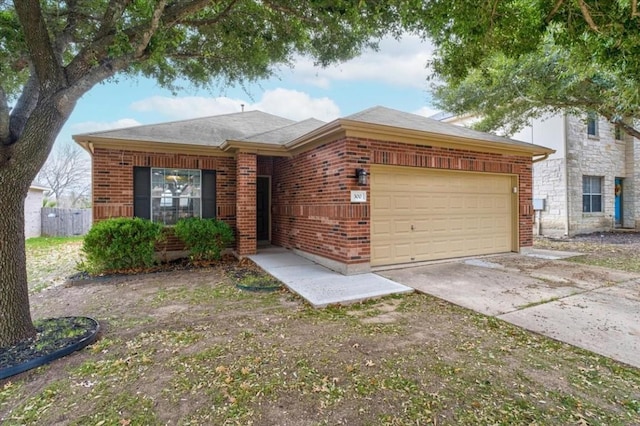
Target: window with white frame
{"type": "Point", "coordinates": [591, 194]}
{"type": "Point", "coordinates": [167, 195]}
{"type": "Point", "coordinates": [592, 124]}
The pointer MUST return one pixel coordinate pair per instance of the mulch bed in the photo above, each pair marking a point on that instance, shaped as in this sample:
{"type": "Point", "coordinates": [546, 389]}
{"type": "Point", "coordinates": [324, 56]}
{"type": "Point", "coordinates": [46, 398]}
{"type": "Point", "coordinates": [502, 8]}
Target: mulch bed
{"type": "Point", "coordinates": [55, 338]}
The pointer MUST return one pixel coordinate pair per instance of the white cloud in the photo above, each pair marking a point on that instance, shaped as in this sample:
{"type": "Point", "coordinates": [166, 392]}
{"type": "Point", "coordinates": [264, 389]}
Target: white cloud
{"type": "Point", "coordinates": [188, 106]}
{"type": "Point", "coordinates": [97, 126]}
{"type": "Point", "coordinates": [287, 103]}
{"type": "Point", "coordinates": [297, 105]}
{"type": "Point", "coordinates": [400, 63]}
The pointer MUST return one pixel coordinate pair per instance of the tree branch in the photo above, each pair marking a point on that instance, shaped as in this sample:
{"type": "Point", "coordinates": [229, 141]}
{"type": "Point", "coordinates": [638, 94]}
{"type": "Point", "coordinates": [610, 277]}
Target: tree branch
{"type": "Point", "coordinates": [163, 16]}
{"type": "Point", "coordinates": [212, 21]}
{"type": "Point", "coordinates": [24, 106]}
{"type": "Point", "coordinates": [628, 128]}
{"type": "Point", "coordinates": [494, 8]}
{"type": "Point", "coordinates": [5, 119]}
{"type": "Point", "coordinates": [587, 16]}
{"type": "Point", "coordinates": [634, 9]}
{"type": "Point", "coordinates": [151, 29]}
{"type": "Point", "coordinates": [553, 12]}
{"type": "Point", "coordinates": [43, 57]}
{"type": "Point", "coordinates": [107, 69]}
{"type": "Point", "coordinates": [181, 9]}
{"type": "Point", "coordinates": [66, 35]}
{"type": "Point", "coordinates": [112, 14]}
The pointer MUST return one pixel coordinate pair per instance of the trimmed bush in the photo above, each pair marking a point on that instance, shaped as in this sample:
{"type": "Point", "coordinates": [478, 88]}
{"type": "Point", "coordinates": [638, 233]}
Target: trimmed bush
{"type": "Point", "coordinates": [120, 244]}
{"type": "Point", "coordinates": [204, 238]}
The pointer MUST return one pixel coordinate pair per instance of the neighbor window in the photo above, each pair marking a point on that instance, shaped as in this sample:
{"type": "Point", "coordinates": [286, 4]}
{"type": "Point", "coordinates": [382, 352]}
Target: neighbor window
{"type": "Point", "coordinates": [591, 194]}
{"type": "Point", "coordinates": [618, 133]}
{"type": "Point", "coordinates": [168, 195]}
{"type": "Point", "coordinates": [592, 124]}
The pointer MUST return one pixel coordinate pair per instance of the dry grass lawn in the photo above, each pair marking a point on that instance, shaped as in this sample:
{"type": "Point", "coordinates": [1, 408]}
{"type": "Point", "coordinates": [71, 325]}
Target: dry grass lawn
{"type": "Point", "coordinates": [189, 348]}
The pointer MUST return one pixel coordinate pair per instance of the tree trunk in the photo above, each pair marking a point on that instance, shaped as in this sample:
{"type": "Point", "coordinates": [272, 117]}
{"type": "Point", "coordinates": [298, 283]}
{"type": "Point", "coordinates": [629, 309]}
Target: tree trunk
{"type": "Point", "coordinates": [15, 316]}
{"type": "Point", "coordinates": [28, 154]}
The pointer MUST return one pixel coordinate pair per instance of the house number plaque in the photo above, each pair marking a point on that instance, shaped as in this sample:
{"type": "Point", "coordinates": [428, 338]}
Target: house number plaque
{"type": "Point", "coordinates": [358, 196]}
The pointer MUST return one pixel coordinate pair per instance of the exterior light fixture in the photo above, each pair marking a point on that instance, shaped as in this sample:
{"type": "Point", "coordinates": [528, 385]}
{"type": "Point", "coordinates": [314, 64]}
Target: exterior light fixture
{"type": "Point", "coordinates": [362, 175]}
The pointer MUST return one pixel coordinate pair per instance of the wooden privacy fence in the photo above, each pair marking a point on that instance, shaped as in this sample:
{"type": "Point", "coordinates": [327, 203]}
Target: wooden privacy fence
{"type": "Point", "coordinates": [65, 222]}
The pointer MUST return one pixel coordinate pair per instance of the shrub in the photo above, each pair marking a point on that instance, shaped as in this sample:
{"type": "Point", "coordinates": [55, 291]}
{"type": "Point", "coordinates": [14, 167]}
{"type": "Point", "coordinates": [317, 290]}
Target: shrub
{"type": "Point", "coordinates": [120, 244]}
{"type": "Point", "coordinates": [204, 238]}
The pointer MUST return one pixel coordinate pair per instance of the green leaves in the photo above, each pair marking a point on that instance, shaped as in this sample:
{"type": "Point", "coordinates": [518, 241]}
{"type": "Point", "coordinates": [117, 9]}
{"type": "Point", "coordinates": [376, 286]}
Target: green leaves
{"type": "Point", "coordinates": [509, 61]}
{"type": "Point", "coordinates": [205, 238]}
{"type": "Point", "coordinates": [120, 244]}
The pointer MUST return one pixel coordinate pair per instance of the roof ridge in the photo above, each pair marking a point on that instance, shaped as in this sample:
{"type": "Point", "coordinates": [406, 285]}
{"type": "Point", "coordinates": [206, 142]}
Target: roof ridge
{"type": "Point", "coordinates": [255, 135]}
{"type": "Point", "coordinates": [186, 120]}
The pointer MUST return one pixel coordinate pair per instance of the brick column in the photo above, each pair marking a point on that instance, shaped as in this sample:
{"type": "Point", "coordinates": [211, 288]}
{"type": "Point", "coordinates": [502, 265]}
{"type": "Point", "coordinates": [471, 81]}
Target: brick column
{"type": "Point", "coordinates": [246, 203]}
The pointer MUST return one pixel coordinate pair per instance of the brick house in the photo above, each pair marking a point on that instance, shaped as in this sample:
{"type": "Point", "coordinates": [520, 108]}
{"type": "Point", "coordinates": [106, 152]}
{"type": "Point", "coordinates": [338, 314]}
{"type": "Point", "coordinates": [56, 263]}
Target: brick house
{"type": "Point", "coordinates": [591, 182]}
{"type": "Point", "coordinates": [376, 188]}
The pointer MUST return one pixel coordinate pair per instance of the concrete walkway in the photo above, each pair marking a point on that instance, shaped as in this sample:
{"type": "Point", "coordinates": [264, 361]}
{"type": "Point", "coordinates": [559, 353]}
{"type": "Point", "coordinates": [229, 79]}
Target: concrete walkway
{"type": "Point", "coordinates": [590, 307]}
{"type": "Point", "coordinates": [321, 286]}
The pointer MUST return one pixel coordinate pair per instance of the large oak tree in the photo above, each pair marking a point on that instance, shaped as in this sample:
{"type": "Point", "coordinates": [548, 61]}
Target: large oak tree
{"type": "Point", "coordinates": [511, 60]}
{"type": "Point", "coordinates": [54, 51]}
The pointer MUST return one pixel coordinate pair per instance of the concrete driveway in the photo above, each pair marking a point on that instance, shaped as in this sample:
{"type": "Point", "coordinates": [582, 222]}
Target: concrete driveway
{"type": "Point", "coordinates": [590, 307]}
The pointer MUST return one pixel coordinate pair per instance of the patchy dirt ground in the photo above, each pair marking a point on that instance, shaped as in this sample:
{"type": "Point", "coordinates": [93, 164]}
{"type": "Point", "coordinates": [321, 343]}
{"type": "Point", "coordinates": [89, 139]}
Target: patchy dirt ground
{"type": "Point", "coordinates": [187, 347]}
{"type": "Point", "coordinates": [51, 260]}
{"type": "Point", "coordinates": [617, 250]}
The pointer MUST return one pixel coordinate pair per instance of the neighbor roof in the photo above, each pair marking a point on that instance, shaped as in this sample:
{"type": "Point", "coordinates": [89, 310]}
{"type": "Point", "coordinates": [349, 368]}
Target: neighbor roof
{"type": "Point", "coordinates": [269, 134]}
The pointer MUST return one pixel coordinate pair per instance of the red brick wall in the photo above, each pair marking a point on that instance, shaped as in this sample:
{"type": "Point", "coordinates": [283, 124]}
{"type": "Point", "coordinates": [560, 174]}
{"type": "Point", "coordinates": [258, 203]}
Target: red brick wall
{"type": "Point", "coordinates": [247, 167]}
{"type": "Point", "coordinates": [311, 205]}
{"type": "Point", "coordinates": [265, 166]}
{"type": "Point", "coordinates": [311, 192]}
{"type": "Point", "coordinates": [113, 181]}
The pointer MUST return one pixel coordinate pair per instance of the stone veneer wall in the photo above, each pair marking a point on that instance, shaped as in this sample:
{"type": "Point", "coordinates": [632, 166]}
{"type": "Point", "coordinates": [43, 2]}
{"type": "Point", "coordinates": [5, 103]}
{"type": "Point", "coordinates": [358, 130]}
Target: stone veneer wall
{"type": "Point", "coordinates": [312, 211]}
{"type": "Point", "coordinates": [550, 183]}
{"type": "Point", "coordinates": [631, 185]}
{"type": "Point", "coordinates": [595, 156]}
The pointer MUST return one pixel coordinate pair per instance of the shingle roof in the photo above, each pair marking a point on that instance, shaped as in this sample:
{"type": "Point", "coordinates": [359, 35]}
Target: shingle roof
{"type": "Point", "coordinates": [209, 131]}
{"type": "Point", "coordinates": [285, 134]}
{"type": "Point", "coordinates": [394, 118]}
{"type": "Point", "coordinates": [256, 127]}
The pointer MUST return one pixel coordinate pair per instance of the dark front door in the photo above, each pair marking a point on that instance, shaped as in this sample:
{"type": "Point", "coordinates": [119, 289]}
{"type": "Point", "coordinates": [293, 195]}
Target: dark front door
{"type": "Point", "coordinates": [262, 208]}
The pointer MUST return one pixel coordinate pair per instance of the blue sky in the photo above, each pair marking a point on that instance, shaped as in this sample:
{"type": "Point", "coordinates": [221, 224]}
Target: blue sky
{"type": "Point", "coordinates": [395, 76]}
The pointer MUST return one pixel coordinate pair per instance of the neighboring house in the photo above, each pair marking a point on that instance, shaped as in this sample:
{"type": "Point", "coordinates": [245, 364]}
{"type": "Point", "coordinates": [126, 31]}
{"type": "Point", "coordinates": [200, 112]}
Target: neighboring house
{"type": "Point", "coordinates": [32, 210]}
{"type": "Point", "coordinates": [590, 184]}
{"type": "Point", "coordinates": [376, 188]}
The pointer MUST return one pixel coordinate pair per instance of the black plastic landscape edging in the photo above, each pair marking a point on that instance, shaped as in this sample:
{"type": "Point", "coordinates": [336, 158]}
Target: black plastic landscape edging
{"type": "Point", "coordinates": [45, 359]}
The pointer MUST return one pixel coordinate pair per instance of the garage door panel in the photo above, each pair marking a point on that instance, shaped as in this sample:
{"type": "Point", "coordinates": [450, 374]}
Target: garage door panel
{"type": "Point", "coordinates": [382, 229]}
{"type": "Point", "coordinates": [402, 228]}
{"type": "Point", "coordinates": [403, 250]}
{"type": "Point", "coordinates": [453, 214]}
{"type": "Point", "coordinates": [402, 202]}
{"type": "Point", "coordinates": [382, 251]}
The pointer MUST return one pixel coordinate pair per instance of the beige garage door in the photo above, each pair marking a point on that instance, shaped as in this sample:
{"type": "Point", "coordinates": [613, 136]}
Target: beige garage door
{"type": "Point", "coordinates": [422, 214]}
